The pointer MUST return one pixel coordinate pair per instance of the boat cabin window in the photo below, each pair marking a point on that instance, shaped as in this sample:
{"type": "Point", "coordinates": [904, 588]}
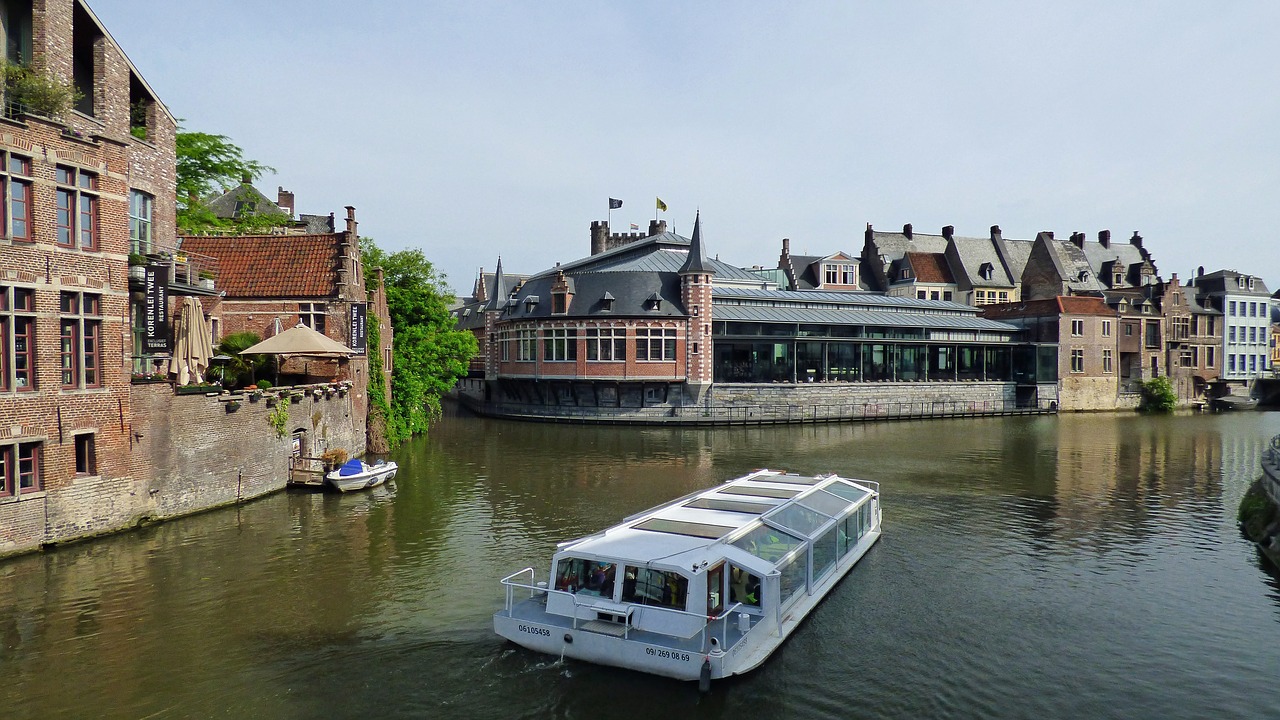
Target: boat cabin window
{"type": "Point", "coordinates": [588, 577]}
{"type": "Point", "coordinates": [744, 587]}
{"type": "Point", "coordinates": [647, 586]}
{"type": "Point", "coordinates": [768, 544]}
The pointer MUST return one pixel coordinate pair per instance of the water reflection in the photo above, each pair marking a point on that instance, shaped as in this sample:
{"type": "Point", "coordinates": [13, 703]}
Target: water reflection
{"type": "Point", "coordinates": [1070, 566]}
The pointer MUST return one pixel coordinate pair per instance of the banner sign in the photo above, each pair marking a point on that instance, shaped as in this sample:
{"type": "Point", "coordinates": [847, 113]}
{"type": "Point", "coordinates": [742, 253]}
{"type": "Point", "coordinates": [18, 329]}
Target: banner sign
{"type": "Point", "coordinates": [359, 333]}
{"type": "Point", "coordinates": [157, 339]}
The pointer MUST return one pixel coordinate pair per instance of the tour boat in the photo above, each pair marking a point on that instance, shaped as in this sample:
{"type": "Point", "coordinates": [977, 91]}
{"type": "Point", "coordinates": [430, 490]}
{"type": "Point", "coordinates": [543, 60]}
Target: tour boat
{"type": "Point", "coordinates": [355, 474]}
{"type": "Point", "coordinates": [703, 587]}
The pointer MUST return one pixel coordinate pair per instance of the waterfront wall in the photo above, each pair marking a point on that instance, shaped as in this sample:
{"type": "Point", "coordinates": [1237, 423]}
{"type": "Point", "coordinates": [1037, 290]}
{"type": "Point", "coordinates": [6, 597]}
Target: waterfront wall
{"type": "Point", "coordinates": [886, 393]}
{"type": "Point", "coordinates": [189, 455]}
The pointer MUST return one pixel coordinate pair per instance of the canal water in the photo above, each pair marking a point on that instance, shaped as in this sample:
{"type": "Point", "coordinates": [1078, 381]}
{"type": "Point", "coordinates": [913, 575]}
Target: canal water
{"type": "Point", "coordinates": [1048, 567]}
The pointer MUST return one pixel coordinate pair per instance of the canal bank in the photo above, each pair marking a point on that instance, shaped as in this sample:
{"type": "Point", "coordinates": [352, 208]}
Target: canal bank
{"type": "Point", "coordinates": [1259, 512]}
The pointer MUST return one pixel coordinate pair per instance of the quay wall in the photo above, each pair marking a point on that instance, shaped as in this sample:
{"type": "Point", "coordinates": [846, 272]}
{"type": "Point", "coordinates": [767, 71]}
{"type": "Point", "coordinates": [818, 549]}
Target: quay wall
{"type": "Point", "coordinates": [886, 393]}
{"type": "Point", "coordinates": [189, 455]}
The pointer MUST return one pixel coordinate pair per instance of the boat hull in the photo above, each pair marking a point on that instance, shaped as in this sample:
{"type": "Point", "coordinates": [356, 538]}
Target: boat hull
{"type": "Point", "coordinates": [375, 476]}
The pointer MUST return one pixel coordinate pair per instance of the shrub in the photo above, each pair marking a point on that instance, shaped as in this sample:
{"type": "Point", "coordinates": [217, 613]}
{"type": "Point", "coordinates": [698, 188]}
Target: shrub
{"type": "Point", "coordinates": [1158, 395]}
{"type": "Point", "coordinates": [38, 92]}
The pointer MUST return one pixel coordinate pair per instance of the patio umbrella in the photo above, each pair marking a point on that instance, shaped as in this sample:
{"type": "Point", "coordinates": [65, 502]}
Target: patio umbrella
{"type": "Point", "coordinates": [193, 343]}
{"type": "Point", "coordinates": [300, 340]}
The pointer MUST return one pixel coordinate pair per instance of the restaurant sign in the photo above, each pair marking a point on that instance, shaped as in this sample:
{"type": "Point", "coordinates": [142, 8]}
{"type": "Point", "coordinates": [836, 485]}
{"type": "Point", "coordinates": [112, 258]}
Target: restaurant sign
{"type": "Point", "coordinates": [156, 339]}
{"type": "Point", "coordinates": [359, 332]}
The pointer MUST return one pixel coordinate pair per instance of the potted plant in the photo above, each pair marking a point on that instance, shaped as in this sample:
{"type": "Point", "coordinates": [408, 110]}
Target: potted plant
{"type": "Point", "coordinates": [233, 405]}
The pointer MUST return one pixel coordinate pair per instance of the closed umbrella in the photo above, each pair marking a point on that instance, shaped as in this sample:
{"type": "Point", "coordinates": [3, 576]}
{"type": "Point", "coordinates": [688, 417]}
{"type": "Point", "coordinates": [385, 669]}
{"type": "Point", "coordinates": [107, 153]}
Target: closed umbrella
{"type": "Point", "coordinates": [193, 343]}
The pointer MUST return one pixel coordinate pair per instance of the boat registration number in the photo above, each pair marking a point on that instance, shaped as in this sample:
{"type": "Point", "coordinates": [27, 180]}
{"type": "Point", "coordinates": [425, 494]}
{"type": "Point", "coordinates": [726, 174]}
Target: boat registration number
{"type": "Point", "coordinates": [534, 630]}
{"type": "Point", "coordinates": [670, 654]}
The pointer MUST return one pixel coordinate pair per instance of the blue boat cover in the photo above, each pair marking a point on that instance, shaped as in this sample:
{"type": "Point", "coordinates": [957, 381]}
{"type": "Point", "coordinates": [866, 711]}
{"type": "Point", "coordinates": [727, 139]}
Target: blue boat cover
{"type": "Point", "coordinates": [351, 467]}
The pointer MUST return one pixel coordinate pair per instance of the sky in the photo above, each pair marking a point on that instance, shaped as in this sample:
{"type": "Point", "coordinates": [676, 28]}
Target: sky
{"type": "Point", "coordinates": [478, 130]}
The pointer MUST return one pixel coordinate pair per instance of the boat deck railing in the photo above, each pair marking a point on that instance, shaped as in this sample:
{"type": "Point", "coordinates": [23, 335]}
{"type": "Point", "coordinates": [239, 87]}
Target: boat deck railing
{"type": "Point", "coordinates": [511, 585]}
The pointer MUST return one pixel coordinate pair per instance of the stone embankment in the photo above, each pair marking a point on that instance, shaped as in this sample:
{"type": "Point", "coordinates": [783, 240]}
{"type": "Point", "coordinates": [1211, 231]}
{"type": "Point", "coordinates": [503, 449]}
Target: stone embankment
{"type": "Point", "coordinates": [1260, 509]}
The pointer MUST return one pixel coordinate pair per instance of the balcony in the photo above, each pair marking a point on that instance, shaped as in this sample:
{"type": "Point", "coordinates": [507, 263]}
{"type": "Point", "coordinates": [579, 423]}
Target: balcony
{"type": "Point", "coordinates": [189, 273]}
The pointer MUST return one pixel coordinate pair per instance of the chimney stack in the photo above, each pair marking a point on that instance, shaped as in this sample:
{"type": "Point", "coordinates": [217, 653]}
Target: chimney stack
{"type": "Point", "coordinates": [906, 230]}
{"type": "Point", "coordinates": [1136, 240]}
{"type": "Point", "coordinates": [996, 233]}
{"type": "Point", "coordinates": [869, 235]}
{"type": "Point", "coordinates": [1077, 239]}
{"type": "Point", "coordinates": [786, 246]}
{"type": "Point", "coordinates": [284, 199]}
{"type": "Point", "coordinates": [1104, 238]}
{"type": "Point", "coordinates": [351, 222]}
{"type": "Point", "coordinates": [948, 231]}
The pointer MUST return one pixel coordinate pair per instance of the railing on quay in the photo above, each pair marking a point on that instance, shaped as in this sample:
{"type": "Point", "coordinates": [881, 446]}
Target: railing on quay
{"type": "Point", "coordinates": [766, 414]}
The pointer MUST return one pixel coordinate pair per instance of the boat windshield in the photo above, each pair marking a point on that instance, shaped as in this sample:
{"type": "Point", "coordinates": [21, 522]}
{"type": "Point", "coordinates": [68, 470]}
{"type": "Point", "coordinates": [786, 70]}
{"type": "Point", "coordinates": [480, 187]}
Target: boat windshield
{"type": "Point", "coordinates": [589, 577]}
{"type": "Point", "coordinates": [647, 586]}
{"type": "Point", "coordinates": [768, 544]}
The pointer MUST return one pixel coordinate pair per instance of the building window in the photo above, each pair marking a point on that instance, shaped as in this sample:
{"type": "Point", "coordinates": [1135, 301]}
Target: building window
{"type": "Point", "coordinates": [655, 344]}
{"type": "Point", "coordinates": [606, 344]}
{"type": "Point", "coordinates": [906, 274]}
{"type": "Point", "coordinates": [1077, 328]}
{"type": "Point", "coordinates": [934, 295]}
{"type": "Point", "coordinates": [86, 455]}
{"type": "Point", "coordinates": [1077, 360]}
{"type": "Point", "coordinates": [920, 294]}
{"type": "Point", "coordinates": [20, 470]}
{"type": "Point", "coordinates": [1106, 328]}
{"type": "Point", "coordinates": [1231, 308]}
{"type": "Point", "coordinates": [17, 201]}
{"type": "Point", "coordinates": [1003, 296]}
{"type": "Point", "coordinates": [140, 205]}
{"type": "Point", "coordinates": [526, 345]}
{"type": "Point", "coordinates": [312, 315]}
{"type": "Point", "coordinates": [1106, 361]}
{"type": "Point", "coordinates": [841, 274]}
{"type": "Point", "coordinates": [1208, 357]}
{"type": "Point", "coordinates": [1231, 333]}
{"type": "Point", "coordinates": [1153, 334]}
{"type": "Point", "coordinates": [1231, 362]}
{"type": "Point", "coordinates": [1128, 329]}
{"type": "Point", "coordinates": [560, 345]}
{"type": "Point", "coordinates": [1253, 363]}
{"type": "Point", "coordinates": [17, 339]}
{"type": "Point", "coordinates": [1253, 334]}
{"type": "Point", "coordinates": [559, 303]}
{"type": "Point", "coordinates": [946, 295]}
{"type": "Point", "coordinates": [77, 213]}
{"type": "Point", "coordinates": [81, 340]}
{"type": "Point", "coordinates": [979, 297]}
{"type": "Point", "coordinates": [1253, 309]}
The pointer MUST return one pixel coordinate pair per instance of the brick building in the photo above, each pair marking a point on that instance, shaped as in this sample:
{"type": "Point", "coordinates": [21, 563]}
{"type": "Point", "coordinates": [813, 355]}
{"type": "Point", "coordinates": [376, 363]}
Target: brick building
{"type": "Point", "coordinates": [80, 189]}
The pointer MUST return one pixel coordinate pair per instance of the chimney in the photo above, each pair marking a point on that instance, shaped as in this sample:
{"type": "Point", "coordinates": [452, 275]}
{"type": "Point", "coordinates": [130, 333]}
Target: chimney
{"type": "Point", "coordinates": [906, 230]}
{"type": "Point", "coordinates": [1200, 271]}
{"type": "Point", "coordinates": [1136, 240]}
{"type": "Point", "coordinates": [996, 234]}
{"type": "Point", "coordinates": [948, 231]}
{"type": "Point", "coordinates": [246, 179]}
{"type": "Point", "coordinates": [1077, 239]}
{"type": "Point", "coordinates": [351, 222]}
{"type": "Point", "coordinates": [1104, 238]}
{"type": "Point", "coordinates": [284, 199]}
{"type": "Point", "coordinates": [599, 236]}
{"type": "Point", "coordinates": [657, 227]}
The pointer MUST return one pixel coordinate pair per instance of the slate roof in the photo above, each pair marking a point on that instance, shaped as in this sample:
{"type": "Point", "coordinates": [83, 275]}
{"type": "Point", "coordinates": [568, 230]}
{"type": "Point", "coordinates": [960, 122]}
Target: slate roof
{"type": "Point", "coordinates": [1121, 256]}
{"type": "Point", "coordinates": [1224, 281]}
{"type": "Point", "coordinates": [243, 200]}
{"type": "Point", "coordinates": [696, 259]}
{"type": "Point", "coordinates": [272, 266]}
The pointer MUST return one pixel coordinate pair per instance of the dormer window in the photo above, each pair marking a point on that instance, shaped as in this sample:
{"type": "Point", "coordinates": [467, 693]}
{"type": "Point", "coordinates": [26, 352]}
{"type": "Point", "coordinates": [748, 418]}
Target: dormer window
{"type": "Point", "coordinates": [1250, 282]}
{"type": "Point", "coordinates": [906, 274]}
{"type": "Point", "coordinates": [653, 302]}
{"type": "Point", "coordinates": [606, 302]}
{"type": "Point", "coordinates": [986, 270]}
{"type": "Point", "coordinates": [530, 303]}
{"type": "Point", "coordinates": [1240, 282]}
{"type": "Point", "coordinates": [838, 274]}
{"type": "Point", "coordinates": [1084, 276]}
{"type": "Point", "coordinates": [559, 303]}
{"type": "Point", "coordinates": [1119, 279]}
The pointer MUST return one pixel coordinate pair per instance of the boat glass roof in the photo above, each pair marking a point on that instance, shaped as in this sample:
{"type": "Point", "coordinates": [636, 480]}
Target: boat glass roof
{"type": "Point", "coordinates": [769, 492]}
{"type": "Point", "coordinates": [825, 503]}
{"type": "Point", "coordinates": [847, 491]}
{"type": "Point", "coordinates": [680, 527]}
{"type": "Point", "coordinates": [738, 506]}
{"type": "Point", "coordinates": [795, 479]}
{"type": "Point", "coordinates": [768, 543]}
{"type": "Point", "coordinates": [798, 519]}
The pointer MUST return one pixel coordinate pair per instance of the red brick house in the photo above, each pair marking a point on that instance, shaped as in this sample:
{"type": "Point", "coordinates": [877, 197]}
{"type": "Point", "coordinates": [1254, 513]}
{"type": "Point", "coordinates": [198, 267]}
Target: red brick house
{"type": "Point", "coordinates": [81, 191]}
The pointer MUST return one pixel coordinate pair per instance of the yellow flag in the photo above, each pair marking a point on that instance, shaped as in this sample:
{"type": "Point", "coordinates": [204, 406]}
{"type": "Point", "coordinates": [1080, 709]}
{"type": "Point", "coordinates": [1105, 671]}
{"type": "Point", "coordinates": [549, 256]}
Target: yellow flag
{"type": "Point", "coordinates": [661, 205]}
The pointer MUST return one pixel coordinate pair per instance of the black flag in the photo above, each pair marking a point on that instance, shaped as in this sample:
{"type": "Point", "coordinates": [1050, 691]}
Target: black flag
{"type": "Point", "coordinates": [614, 203]}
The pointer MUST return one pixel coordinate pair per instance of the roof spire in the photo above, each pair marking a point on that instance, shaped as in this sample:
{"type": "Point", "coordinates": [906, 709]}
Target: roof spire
{"type": "Point", "coordinates": [499, 288]}
{"type": "Point", "coordinates": [696, 264]}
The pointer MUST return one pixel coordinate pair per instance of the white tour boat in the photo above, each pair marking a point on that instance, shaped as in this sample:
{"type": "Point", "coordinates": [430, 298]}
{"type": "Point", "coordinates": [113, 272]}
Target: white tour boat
{"type": "Point", "coordinates": [355, 474]}
{"type": "Point", "coordinates": [703, 587]}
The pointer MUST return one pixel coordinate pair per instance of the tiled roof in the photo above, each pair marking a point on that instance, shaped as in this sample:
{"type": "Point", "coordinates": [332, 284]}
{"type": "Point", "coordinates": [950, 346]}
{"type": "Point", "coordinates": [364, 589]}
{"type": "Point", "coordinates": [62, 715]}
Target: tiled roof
{"type": "Point", "coordinates": [1061, 305]}
{"type": "Point", "coordinates": [271, 266]}
{"type": "Point", "coordinates": [930, 267]}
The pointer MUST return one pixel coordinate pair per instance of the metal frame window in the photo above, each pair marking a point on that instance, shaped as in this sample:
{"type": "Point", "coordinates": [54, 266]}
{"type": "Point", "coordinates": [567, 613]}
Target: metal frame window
{"type": "Point", "coordinates": [526, 345]}
{"type": "Point", "coordinates": [560, 345]}
{"type": "Point", "coordinates": [17, 339]}
{"type": "Point", "coordinates": [20, 470]}
{"type": "Point", "coordinates": [656, 344]}
{"type": "Point", "coordinates": [76, 218]}
{"type": "Point", "coordinates": [80, 344]}
{"type": "Point", "coordinates": [606, 344]}
{"type": "Point", "coordinates": [17, 197]}
{"type": "Point", "coordinates": [140, 227]}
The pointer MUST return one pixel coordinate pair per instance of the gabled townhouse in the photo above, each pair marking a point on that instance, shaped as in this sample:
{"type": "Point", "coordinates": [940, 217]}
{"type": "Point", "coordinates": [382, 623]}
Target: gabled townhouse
{"type": "Point", "coordinates": [83, 188]}
{"type": "Point", "coordinates": [982, 270]}
{"type": "Point", "coordinates": [837, 272]}
{"type": "Point", "coordinates": [1244, 302]}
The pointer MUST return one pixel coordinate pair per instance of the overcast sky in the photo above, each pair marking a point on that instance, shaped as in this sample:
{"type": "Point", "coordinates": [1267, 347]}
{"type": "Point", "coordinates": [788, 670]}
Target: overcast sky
{"type": "Point", "coordinates": [474, 129]}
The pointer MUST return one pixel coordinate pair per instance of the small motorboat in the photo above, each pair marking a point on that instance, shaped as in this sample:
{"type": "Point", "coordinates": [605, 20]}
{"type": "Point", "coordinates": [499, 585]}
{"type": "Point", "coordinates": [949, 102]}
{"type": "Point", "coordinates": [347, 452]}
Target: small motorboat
{"type": "Point", "coordinates": [1227, 403]}
{"type": "Point", "coordinates": [356, 474]}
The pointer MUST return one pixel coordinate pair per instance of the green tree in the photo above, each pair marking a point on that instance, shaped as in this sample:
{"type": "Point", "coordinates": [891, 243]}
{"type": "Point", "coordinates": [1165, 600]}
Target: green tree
{"type": "Point", "coordinates": [429, 353]}
{"type": "Point", "coordinates": [209, 165]}
{"type": "Point", "coordinates": [1158, 395]}
{"type": "Point", "coordinates": [240, 369]}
